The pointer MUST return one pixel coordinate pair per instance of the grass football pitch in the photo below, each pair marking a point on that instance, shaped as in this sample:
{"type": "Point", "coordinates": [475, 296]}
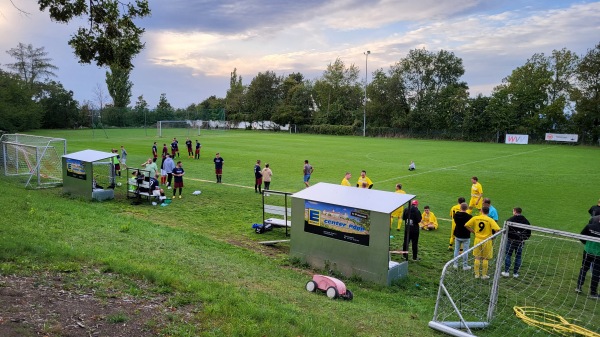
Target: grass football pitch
{"type": "Point", "coordinates": [202, 251]}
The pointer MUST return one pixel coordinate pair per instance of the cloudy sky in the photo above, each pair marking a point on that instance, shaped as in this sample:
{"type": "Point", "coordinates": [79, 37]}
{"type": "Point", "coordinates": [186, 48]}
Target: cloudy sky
{"type": "Point", "coordinates": [192, 46]}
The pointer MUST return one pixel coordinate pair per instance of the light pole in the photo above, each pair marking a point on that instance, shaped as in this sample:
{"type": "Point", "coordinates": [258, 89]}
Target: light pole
{"type": "Point", "coordinates": [365, 107]}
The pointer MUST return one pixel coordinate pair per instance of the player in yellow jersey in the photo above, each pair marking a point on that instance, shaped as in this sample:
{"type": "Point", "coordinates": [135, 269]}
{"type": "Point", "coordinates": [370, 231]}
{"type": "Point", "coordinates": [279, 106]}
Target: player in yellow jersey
{"type": "Point", "coordinates": [453, 210]}
{"type": "Point", "coordinates": [483, 226]}
{"type": "Point", "coordinates": [397, 213]}
{"type": "Point", "coordinates": [476, 195]}
{"type": "Point", "coordinates": [429, 222]}
{"type": "Point", "coordinates": [346, 180]}
{"type": "Point", "coordinates": [364, 181]}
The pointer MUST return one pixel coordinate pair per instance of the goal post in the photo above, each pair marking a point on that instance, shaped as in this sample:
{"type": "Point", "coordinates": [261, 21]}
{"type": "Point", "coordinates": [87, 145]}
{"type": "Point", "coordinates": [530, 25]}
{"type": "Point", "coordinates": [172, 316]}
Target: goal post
{"type": "Point", "coordinates": [36, 158]}
{"type": "Point", "coordinates": [546, 281]}
{"type": "Point", "coordinates": [178, 128]}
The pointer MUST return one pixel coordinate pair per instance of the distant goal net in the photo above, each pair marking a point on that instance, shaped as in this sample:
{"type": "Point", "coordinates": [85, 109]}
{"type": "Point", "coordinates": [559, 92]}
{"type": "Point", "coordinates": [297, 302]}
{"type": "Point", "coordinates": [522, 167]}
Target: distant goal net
{"type": "Point", "coordinates": [541, 301]}
{"type": "Point", "coordinates": [178, 128]}
{"type": "Point", "coordinates": [37, 159]}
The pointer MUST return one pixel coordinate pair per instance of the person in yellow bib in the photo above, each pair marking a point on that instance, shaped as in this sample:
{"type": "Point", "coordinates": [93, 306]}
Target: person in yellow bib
{"type": "Point", "coordinates": [346, 180]}
{"type": "Point", "coordinates": [476, 195]}
{"type": "Point", "coordinates": [429, 222]}
{"type": "Point", "coordinates": [397, 214]}
{"type": "Point", "coordinates": [364, 181]}
{"type": "Point", "coordinates": [455, 209]}
{"type": "Point", "coordinates": [483, 226]}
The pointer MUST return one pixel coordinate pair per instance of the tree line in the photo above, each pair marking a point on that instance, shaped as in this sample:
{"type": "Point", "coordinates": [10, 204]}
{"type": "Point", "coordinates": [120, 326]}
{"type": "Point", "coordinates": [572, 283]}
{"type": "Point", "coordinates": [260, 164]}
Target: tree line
{"type": "Point", "coordinates": [421, 95]}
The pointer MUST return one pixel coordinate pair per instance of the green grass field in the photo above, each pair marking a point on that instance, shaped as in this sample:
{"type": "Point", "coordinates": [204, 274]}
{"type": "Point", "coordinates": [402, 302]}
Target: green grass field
{"type": "Point", "coordinates": [202, 251]}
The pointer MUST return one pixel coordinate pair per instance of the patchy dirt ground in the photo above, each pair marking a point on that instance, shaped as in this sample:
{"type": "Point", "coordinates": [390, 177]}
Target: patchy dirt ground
{"type": "Point", "coordinates": [41, 306]}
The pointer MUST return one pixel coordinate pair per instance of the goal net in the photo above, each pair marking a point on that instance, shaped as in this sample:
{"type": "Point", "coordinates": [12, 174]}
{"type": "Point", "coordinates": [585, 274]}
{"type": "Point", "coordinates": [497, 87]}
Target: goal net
{"type": "Point", "coordinates": [36, 158]}
{"type": "Point", "coordinates": [541, 301]}
{"type": "Point", "coordinates": [171, 129]}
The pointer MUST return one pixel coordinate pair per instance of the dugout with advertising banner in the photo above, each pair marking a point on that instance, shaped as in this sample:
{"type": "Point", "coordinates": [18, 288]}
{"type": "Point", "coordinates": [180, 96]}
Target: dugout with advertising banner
{"type": "Point", "coordinates": [347, 230]}
{"type": "Point", "coordinates": [79, 174]}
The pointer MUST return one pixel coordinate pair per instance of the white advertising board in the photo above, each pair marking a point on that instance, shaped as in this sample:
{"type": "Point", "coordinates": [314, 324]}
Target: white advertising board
{"type": "Point", "coordinates": [516, 139]}
{"type": "Point", "coordinates": [561, 137]}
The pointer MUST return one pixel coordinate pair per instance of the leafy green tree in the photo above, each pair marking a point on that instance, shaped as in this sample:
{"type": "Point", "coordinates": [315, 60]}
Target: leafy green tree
{"type": "Point", "coordinates": [164, 110]}
{"type": "Point", "coordinates": [425, 75]}
{"type": "Point", "coordinates": [587, 95]}
{"type": "Point", "coordinates": [263, 95]}
{"type": "Point", "coordinates": [235, 98]}
{"type": "Point", "coordinates": [112, 38]}
{"type": "Point", "coordinates": [60, 108]}
{"type": "Point", "coordinates": [387, 105]}
{"type": "Point", "coordinates": [32, 65]}
{"type": "Point", "coordinates": [338, 95]}
{"type": "Point", "coordinates": [297, 103]}
{"type": "Point", "coordinates": [18, 112]}
{"type": "Point", "coordinates": [119, 86]}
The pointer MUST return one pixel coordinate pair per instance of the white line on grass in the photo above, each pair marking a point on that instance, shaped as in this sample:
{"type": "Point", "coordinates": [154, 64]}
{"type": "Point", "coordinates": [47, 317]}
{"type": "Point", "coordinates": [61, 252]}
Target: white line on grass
{"type": "Point", "coordinates": [211, 181]}
{"type": "Point", "coordinates": [454, 167]}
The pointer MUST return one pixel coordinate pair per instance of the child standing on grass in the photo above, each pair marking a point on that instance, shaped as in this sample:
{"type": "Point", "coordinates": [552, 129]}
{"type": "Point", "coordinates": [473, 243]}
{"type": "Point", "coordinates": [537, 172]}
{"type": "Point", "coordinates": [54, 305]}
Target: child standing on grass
{"type": "Point", "coordinates": [178, 173]}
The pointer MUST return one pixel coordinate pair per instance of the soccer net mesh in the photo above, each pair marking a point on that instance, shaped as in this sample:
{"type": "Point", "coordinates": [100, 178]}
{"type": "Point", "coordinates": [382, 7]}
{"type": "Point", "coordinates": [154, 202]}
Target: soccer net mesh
{"type": "Point", "coordinates": [541, 301]}
{"type": "Point", "coordinates": [36, 158]}
{"type": "Point", "coordinates": [178, 128]}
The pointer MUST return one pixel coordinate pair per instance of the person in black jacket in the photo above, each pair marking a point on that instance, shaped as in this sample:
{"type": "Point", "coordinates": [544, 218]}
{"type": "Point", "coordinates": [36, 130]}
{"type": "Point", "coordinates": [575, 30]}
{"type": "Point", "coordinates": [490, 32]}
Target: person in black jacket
{"type": "Point", "coordinates": [594, 210]}
{"type": "Point", "coordinates": [516, 240]}
{"type": "Point", "coordinates": [591, 257]}
{"type": "Point", "coordinates": [412, 216]}
{"type": "Point", "coordinates": [462, 236]}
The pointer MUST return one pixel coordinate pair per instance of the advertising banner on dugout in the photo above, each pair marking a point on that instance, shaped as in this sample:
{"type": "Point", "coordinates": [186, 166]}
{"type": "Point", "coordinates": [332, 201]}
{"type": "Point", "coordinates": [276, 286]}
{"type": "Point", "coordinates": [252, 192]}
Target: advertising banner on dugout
{"type": "Point", "coordinates": [516, 139]}
{"type": "Point", "coordinates": [337, 222]}
{"type": "Point", "coordinates": [562, 137]}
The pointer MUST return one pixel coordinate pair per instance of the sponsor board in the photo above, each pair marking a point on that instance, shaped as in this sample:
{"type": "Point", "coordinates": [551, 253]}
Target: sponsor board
{"type": "Point", "coordinates": [516, 139]}
{"type": "Point", "coordinates": [561, 137]}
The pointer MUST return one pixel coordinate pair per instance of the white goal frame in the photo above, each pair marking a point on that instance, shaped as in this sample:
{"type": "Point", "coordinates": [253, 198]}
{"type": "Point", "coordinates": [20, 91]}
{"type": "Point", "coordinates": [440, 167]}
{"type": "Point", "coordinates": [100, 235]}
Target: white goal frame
{"type": "Point", "coordinates": [190, 125]}
{"type": "Point", "coordinates": [452, 302]}
{"type": "Point", "coordinates": [36, 157]}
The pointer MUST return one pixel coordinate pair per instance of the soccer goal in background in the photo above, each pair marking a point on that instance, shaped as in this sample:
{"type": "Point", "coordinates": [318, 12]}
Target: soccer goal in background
{"type": "Point", "coordinates": [541, 301]}
{"type": "Point", "coordinates": [36, 158]}
{"type": "Point", "coordinates": [178, 128]}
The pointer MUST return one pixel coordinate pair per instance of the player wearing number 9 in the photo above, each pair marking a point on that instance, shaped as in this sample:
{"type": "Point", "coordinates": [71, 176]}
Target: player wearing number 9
{"type": "Point", "coordinates": [483, 226]}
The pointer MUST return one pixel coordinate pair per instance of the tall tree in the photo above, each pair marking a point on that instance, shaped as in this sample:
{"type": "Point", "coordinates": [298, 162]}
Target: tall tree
{"type": "Point", "coordinates": [297, 103]}
{"type": "Point", "coordinates": [387, 105]}
{"type": "Point", "coordinates": [263, 95]}
{"type": "Point", "coordinates": [119, 86]}
{"type": "Point", "coordinates": [587, 95]}
{"type": "Point", "coordinates": [32, 64]}
{"type": "Point", "coordinates": [18, 112]}
{"type": "Point", "coordinates": [339, 95]}
{"type": "Point", "coordinates": [112, 37]}
{"type": "Point", "coordinates": [235, 98]}
{"type": "Point", "coordinates": [60, 108]}
{"type": "Point", "coordinates": [164, 110]}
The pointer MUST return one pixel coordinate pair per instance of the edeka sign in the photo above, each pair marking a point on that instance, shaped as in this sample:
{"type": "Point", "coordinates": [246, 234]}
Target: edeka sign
{"type": "Point", "coordinates": [516, 139]}
{"type": "Point", "coordinates": [561, 137]}
{"type": "Point", "coordinates": [337, 222]}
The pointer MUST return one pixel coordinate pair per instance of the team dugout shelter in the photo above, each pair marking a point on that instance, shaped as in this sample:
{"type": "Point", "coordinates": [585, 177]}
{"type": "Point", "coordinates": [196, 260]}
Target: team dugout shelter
{"type": "Point", "coordinates": [85, 171]}
{"type": "Point", "coordinates": [347, 230]}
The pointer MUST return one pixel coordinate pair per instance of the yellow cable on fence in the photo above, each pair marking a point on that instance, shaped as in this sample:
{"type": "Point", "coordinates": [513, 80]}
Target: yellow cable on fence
{"type": "Point", "coordinates": [551, 322]}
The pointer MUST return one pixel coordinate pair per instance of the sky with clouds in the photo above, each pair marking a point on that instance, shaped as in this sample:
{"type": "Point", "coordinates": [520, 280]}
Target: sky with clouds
{"type": "Point", "coordinates": [192, 46]}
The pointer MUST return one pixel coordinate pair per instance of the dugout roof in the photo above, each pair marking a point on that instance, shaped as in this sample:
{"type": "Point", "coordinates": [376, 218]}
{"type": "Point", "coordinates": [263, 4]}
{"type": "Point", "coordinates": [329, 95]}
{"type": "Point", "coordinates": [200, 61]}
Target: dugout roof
{"type": "Point", "coordinates": [89, 156]}
{"type": "Point", "coordinates": [361, 198]}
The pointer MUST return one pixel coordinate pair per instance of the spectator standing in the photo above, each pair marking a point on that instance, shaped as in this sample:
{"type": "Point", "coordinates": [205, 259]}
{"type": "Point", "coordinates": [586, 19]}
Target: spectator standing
{"type": "Point", "coordinates": [461, 234]}
{"type": "Point", "coordinates": [178, 173]}
{"type": "Point", "coordinates": [486, 227]}
{"type": "Point", "coordinates": [267, 174]}
{"type": "Point", "coordinates": [169, 166]}
{"type": "Point", "coordinates": [165, 152]}
{"type": "Point", "coordinates": [150, 165]}
{"type": "Point", "coordinates": [218, 167]}
{"type": "Point", "coordinates": [591, 257]}
{"type": "Point", "coordinates": [516, 241]}
{"type": "Point", "coordinates": [257, 177]}
{"type": "Point", "coordinates": [307, 171]}
{"type": "Point", "coordinates": [123, 157]}
{"type": "Point", "coordinates": [116, 162]}
{"type": "Point", "coordinates": [412, 216]}
{"type": "Point", "coordinates": [456, 208]}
